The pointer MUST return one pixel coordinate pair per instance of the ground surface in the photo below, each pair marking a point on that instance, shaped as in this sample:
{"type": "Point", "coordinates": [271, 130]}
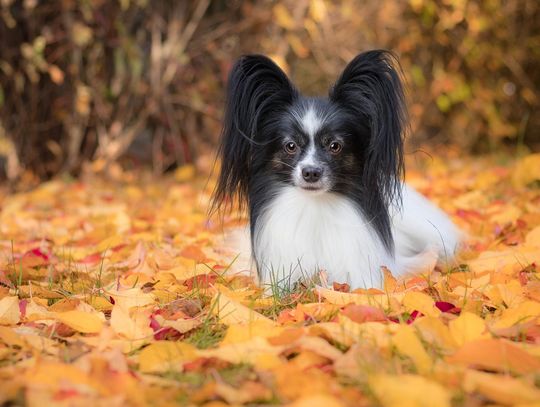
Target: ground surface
{"type": "Point", "coordinates": [115, 291]}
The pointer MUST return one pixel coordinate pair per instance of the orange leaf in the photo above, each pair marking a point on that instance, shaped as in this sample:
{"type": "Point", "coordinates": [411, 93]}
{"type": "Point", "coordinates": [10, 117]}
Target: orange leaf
{"type": "Point", "coordinates": [495, 354]}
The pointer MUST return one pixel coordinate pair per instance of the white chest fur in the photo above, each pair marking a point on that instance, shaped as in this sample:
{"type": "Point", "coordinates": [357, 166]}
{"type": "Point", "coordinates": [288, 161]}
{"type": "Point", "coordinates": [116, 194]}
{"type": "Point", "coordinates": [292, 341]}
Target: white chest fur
{"type": "Point", "coordinates": [301, 233]}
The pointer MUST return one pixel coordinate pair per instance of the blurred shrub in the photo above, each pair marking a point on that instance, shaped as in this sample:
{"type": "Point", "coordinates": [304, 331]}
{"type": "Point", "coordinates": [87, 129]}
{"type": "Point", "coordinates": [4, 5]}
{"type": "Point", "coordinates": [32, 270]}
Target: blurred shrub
{"type": "Point", "coordinates": [98, 80]}
{"type": "Point", "coordinates": [471, 66]}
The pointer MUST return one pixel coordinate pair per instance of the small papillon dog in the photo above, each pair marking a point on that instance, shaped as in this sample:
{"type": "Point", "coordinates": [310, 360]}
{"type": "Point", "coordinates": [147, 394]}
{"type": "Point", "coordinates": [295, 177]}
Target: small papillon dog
{"type": "Point", "coordinates": [321, 177]}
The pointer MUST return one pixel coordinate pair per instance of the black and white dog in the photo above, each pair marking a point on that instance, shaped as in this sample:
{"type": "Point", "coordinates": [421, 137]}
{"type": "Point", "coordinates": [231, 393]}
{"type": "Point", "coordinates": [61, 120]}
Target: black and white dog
{"type": "Point", "coordinates": [322, 177]}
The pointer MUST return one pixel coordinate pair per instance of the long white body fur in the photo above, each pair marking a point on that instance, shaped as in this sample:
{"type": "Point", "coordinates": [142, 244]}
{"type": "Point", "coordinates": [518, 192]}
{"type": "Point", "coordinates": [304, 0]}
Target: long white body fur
{"type": "Point", "coordinates": [301, 233]}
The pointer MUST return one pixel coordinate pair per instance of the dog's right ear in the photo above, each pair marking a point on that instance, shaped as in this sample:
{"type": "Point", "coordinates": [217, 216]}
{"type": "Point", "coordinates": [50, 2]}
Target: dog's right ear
{"type": "Point", "coordinates": [257, 88]}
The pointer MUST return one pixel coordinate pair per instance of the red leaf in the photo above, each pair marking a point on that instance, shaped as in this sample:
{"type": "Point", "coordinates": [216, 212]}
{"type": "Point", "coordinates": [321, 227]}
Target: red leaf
{"type": "Point", "coordinates": [22, 307]}
{"type": "Point", "coordinates": [447, 307]}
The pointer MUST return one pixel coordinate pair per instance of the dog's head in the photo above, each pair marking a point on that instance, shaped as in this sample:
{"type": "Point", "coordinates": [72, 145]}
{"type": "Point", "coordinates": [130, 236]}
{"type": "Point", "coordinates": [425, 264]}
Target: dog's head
{"type": "Point", "coordinates": [351, 140]}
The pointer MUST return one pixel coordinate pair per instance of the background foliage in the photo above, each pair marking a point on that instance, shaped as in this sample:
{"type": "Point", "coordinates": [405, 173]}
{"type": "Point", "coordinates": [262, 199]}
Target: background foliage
{"type": "Point", "coordinates": [96, 80]}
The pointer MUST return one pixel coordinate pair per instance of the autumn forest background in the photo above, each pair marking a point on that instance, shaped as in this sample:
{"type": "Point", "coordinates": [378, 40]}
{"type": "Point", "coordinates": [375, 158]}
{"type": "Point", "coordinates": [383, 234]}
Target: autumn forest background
{"type": "Point", "coordinates": [117, 288]}
{"type": "Point", "coordinates": [100, 80]}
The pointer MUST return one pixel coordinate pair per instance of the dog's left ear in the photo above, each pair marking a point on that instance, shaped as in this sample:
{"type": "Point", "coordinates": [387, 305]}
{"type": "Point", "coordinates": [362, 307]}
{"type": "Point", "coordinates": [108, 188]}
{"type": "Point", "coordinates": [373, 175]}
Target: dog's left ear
{"type": "Point", "coordinates": [370, 87]}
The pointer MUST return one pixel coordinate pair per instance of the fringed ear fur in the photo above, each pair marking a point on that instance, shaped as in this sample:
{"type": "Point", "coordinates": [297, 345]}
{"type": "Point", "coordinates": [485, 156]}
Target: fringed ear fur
{"type": "Point", "coordinates": [371, 88]}
{"type": "Point", "coordinates": [256, 87]}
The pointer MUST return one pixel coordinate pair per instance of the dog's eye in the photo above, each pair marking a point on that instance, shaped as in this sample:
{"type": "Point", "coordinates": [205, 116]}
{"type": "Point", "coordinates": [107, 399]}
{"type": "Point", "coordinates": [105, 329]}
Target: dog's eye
{"type": "Point", "coordinates": [335, 147]}
{"type": "Point", "coordinates": [290, 147]}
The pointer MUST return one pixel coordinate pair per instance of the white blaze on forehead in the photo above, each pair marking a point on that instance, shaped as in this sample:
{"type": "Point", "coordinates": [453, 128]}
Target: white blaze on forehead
{"type": "Point", "coordinates": [311, 123]}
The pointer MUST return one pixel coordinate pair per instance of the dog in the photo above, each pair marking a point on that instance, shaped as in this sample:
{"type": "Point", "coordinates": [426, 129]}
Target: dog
{"type": "Point", "coordinates": [322, 177]}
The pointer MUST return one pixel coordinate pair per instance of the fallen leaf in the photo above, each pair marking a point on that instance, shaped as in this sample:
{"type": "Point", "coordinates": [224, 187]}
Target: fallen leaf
{"type": "Point", "coordinates": [495, 354]}
{"type": "Point", "coordinates": [408, 390]}
{"type": "Point", "coordinates": [9, 311]}
{"type": "Point", "coordinates": [417, 301]}
{"type": "Point", "coordinates": [524, 312]}
{"type": "Point", "coordinates": [468, 327]}
{"type": "Point", "coordinates": [81, 321]}
{"type": "Point", "coordinates": [232, 312]}
{"type": "Point", "coordinates": [407, 343]}
{"type": "Point", "coordinates": [317, 400]}
{"type": "Point", "coordinates": [505, 390]}
{"type": "Point", "coordinates": [165, 356]}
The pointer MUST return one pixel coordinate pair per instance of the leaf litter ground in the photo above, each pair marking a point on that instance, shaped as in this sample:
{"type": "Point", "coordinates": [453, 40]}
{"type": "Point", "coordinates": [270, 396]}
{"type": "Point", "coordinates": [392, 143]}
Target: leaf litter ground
{"type": "Point", "coordinates": [119, 291]}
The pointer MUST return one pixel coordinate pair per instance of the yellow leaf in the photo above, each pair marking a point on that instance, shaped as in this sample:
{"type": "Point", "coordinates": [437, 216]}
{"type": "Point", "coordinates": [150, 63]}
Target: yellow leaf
{"type": "Point", "coordinates": [231, 312]}
{"type": "Point", "coordinates": [109, 243]}
{"type": "Point", "coordinates": [317, 400]}
{"type": "Point", "coordinates": [317, 345]}
{"type": "Point", "coordinates": [374, 300]}
{"type": "Point", "coordinates": [500, 389]}
{"type": "Point", "coordinates": [132, 297]}
{"type": "Point", "coordinates": [468, 327]}
{"type": "Point", "coordinates": [496, 354]}
{"type": "Point", "coordinates": [267, 361]}
{"type": "Point", "coordinates": [244, 332]}
{"type": "Point", "coordinates": [533, 237]}
{"type": "Point", "coordinates": [184, 173]}
{"type": "Point", "coordinates": [56, 375]}
{"type": "Point", "coordinates": [408, 391]}
{"type": "Point", "coordinates": [9, 337]}
{"type": "Point", "coordinates": [506, 214]}
{"type": "Point", "coordinates": [164, 356]}
{"type": "Point", "coordinates": [522, 313]}
{"type": "Point", "coordinates": [283, 17]}
{"type": "Point", "coordinates": [495, 261]}
{"type": "Point", "coordinates": [408, 344]}
{"type": "Point", "coordinates": [187, 269]}
{"type": "Point", "coordinates": [134, 325]}
{"type": "Point", "coordinates": [376, 333]}
{"type": "Point", "coordinates": [9, 311]}
{"type": "Point", "coordinates": [417, 301]}
{"type": "Point", "coordinates": [81, 321]}
{"type": "Point", "coordinates": [390, 281]}
{"type": "Point", "coordinates": [434, 331]}
{"type": "Point", "coordinates": [333, 331]}
{"type": "Point", "coordinates": [526, 170]}
{"type": "Point", "coordinates": [252, 351]}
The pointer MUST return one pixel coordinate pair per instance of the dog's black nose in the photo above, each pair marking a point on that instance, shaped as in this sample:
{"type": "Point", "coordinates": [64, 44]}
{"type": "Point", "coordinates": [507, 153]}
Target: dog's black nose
{"type": "Point", "coordinates": [311, 174]}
